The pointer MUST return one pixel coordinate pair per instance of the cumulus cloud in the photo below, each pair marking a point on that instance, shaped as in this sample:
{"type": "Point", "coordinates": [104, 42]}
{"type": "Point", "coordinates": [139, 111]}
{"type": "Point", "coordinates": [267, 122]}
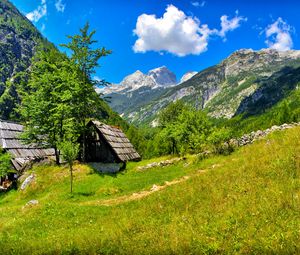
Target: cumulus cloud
{"type": "Point", "coordinates": [38, 13]}
{"type": "Point", "coordinates": [174, 32]}
{"type": "Point", "coordinates": [278, 35]}
{"type": "Point", "coordinates": [60, 7]}
{"type": "Point", "coordinates": [198, 4]}
{"type": "Point", "coordinates": [230, 24]}
{"type": "Point", "coordinates": [177, 33]}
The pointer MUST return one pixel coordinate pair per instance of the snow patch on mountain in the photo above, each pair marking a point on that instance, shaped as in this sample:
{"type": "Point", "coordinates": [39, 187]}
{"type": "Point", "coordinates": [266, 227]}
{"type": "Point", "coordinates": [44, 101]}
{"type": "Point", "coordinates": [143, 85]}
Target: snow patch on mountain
{"type": "Point", "coordinates": [160, 77]}
{"type": "Point", "coordinates": [187, 76]}
{"type": "Point", "coordinates": [163, 76]}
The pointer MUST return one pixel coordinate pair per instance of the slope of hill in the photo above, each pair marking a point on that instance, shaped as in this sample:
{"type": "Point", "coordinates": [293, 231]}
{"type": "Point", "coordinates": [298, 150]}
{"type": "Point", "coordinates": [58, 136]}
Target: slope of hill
{"type": "Point", "coordinates": [245, 203]}
{"type": "Point", "coordinates": [237, 85]}
{"type": "Point", "coordinates": [19, 41]}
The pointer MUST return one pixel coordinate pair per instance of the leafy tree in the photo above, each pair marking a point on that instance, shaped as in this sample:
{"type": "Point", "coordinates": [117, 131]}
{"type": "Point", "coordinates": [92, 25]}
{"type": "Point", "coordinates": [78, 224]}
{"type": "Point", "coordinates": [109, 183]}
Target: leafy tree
{"type": "Point", "coordinates": [137, 138]}
{"type": "Point", "coordinates": [48, 107]}
{"type": "Point", "coordinates": [219, 140]}
{"type": "Point", "coordinates": [70, 152]}
{"type": "Point", "coordinates": [184, 129]}
{"type": "Point", "coordinates": [192, 129]}
{"type": "Point", "coordinates": [171, 113]}
{"type": "Point", "coordinates": [86, 58]}
{"type": "Point", "coordinates": [5, 164]}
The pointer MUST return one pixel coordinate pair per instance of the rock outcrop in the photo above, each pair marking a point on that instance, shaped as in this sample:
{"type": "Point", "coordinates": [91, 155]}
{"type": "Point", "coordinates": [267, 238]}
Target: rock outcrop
{"type": "Point", "coordinates": [259, 134]}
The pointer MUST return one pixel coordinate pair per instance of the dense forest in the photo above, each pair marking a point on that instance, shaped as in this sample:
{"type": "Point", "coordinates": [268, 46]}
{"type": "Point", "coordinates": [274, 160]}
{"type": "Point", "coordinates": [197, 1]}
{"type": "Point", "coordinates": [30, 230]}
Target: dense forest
{"type": "Point", "coordinates": [182, 129]}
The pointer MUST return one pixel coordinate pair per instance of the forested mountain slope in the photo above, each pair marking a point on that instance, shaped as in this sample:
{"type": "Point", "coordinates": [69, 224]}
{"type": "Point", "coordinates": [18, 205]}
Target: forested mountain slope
{"type": "Point", "coordinates": [19, 40]}
{"type": "Point", "coordinates": [247, 82]}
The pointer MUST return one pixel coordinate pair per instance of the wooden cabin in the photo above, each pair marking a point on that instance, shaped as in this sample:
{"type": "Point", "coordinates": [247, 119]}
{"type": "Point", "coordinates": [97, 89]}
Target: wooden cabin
{"type": "Point", "coordinates": [105, 144]}
{"type": "Point", "coordinates": [22, 154]}
{"type": "Point", "coordinates": [108, 144]}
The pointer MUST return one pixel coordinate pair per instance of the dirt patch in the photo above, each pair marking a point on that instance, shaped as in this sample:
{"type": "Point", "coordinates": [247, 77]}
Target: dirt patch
{"type": "Point", "coordinates": [144, 193]}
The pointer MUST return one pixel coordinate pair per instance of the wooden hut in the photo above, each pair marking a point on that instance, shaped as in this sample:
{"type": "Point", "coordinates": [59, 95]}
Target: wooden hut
{"type": "Point", "coordinates": [21, 153]}
{"type": "Point", "coordinates": [108, 144]}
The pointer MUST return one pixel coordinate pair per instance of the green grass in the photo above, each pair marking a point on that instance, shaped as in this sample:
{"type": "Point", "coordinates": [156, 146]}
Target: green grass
{"type": "Point", "coordinates": [246, 203]}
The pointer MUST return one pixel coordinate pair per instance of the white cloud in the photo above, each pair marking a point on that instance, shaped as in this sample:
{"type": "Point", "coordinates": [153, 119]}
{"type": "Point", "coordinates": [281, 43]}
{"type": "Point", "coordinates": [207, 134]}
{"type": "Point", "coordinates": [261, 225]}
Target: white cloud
{"type": "Point", "coordinates": [230, 24]}
{"type": "Point", "coordinates": [177, 33]}
{"type": "Point", "coordinates": [174, 32]}
{"type": "Point", "coordinates": [60, 7]}
{"type": "Point", "coordinates": [278, 35]}
{"type": "Point", "coordinates": [38, 13]}
{"type": "Point", "coordinates": [198, 4]}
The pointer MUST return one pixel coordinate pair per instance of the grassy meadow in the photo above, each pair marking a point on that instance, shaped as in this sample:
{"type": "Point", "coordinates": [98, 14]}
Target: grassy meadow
{"type": "Point", "coordinates": [244, 203]}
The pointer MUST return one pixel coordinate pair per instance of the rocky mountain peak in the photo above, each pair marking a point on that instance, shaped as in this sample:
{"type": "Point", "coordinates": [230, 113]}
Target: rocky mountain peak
{"type": "Point", "coordinates": [248, 60]}
{"type": "Point", "coordinates": [163, 76]}
{"type": "Point", "coordinates": [137, 80]}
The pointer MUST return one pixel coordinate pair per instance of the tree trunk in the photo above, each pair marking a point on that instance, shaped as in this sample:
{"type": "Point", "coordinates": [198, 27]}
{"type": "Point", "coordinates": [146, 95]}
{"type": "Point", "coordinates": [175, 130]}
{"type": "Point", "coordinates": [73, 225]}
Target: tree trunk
{"type": "Point", "coordinates": [84, 146]}
{"type": "Point", "coordinates": [173, 146]}
{"type": "Point", "coordinates": [56, 156]}
{"type": "Point", "coordinates": [71, 178]}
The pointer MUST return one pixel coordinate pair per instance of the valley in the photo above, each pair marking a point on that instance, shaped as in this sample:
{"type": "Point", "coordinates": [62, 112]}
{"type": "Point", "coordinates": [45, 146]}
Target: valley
{"type": "Point", "coordinates": [195, 152]}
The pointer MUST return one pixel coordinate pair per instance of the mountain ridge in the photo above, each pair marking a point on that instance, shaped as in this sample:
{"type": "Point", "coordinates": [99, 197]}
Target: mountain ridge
{"type": "Point", "coordinates": [220, 89]}
{"type": "Point", "coordinates": [158, 77]}
{"type": "Point", "coordinates": [138, 88]}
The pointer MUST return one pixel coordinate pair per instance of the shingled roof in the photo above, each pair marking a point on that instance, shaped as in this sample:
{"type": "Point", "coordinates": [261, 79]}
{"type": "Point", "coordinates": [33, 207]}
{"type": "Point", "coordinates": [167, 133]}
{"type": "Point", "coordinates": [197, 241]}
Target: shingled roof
{"type": "Point", "coordinates": [21, 153]}
{"type": "Point", "coordinates": [118, 141]}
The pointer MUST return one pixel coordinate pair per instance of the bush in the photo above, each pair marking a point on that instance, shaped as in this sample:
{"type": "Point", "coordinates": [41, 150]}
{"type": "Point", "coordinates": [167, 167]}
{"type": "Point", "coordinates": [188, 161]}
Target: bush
{"type": "Point", "coordinates": [5, 164]}
{"type": "Point", "coordinates": [219, 140]}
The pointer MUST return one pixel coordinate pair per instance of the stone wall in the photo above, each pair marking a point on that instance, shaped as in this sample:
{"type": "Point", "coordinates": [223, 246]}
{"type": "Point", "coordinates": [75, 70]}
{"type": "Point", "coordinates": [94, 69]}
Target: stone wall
{"type": "Point", "coordinates": [259, 134]}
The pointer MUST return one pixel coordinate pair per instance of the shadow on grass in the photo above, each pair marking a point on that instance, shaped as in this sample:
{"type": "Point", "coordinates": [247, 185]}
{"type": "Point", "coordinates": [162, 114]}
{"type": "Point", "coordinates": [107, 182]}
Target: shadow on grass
{"type": "Point", "coordinates": [114, 174]}
{"type": "Point", "coordinates": [85, 194]}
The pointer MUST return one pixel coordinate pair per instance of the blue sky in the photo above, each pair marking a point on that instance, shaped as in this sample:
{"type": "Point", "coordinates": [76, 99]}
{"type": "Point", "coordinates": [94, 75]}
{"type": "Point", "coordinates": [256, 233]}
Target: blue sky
{"type": "Point", "coordinates": [182, 35]}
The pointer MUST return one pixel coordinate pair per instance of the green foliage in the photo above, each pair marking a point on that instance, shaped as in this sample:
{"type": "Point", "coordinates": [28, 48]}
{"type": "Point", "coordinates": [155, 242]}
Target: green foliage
{"type": "Point", "coordinates": [193, 128]}
{"type": "Point", "coordinates": [182, 130]}
{"type": "Point", "coordinates": [86, 58]}
{"type": "Point", "coordinates": [285, 111]}
{"type": "Point", "coordinates": [219, 140]}
{"type": "Point", "coordinates": [49, 105]}
{"type": "Point", "coordinates": [61, 97]}
{"type": "Point", "coordinates": [69, 152]}
{"type": "Point", "coordinates": [5, 164]}
{"type": "Point", "coordinates": [20, 40]}
{"type": "Point", "coordinates": [137, 138]}
{"type": "Point", "coordinates": [171, 113]}
{"type": "Point", "coordinates": [83, 53]}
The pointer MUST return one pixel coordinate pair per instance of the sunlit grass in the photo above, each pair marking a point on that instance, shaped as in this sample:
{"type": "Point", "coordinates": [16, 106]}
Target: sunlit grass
{"type": "Point", "coordinates": [246, 203]}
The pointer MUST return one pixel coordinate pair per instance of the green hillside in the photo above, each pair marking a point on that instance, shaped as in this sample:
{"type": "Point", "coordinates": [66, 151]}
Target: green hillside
{"type": "Point", "coordinates": [19, 42]}
{"type": "Point", "coordinates": [245, 203]}
{"type": "Point", "coordinates": [286, 110]}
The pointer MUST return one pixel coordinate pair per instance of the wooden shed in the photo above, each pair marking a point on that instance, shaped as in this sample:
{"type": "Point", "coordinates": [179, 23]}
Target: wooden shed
{"type": "Point", "coordinates": [21, 153]}
{"type": "Point", "coordinates": [108, 144]}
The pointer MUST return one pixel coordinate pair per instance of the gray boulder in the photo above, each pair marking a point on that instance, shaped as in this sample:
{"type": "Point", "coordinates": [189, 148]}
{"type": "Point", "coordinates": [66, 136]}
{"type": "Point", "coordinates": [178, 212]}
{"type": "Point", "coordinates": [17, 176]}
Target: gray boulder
{"type": "Point", "coordinates": [28, 181]}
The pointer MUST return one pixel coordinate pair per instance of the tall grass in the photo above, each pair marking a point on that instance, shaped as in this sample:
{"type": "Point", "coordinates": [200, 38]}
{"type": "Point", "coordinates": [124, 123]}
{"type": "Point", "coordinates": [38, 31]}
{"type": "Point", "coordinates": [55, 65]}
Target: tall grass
{"type": "Point", "coordinates": [246, 203]}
